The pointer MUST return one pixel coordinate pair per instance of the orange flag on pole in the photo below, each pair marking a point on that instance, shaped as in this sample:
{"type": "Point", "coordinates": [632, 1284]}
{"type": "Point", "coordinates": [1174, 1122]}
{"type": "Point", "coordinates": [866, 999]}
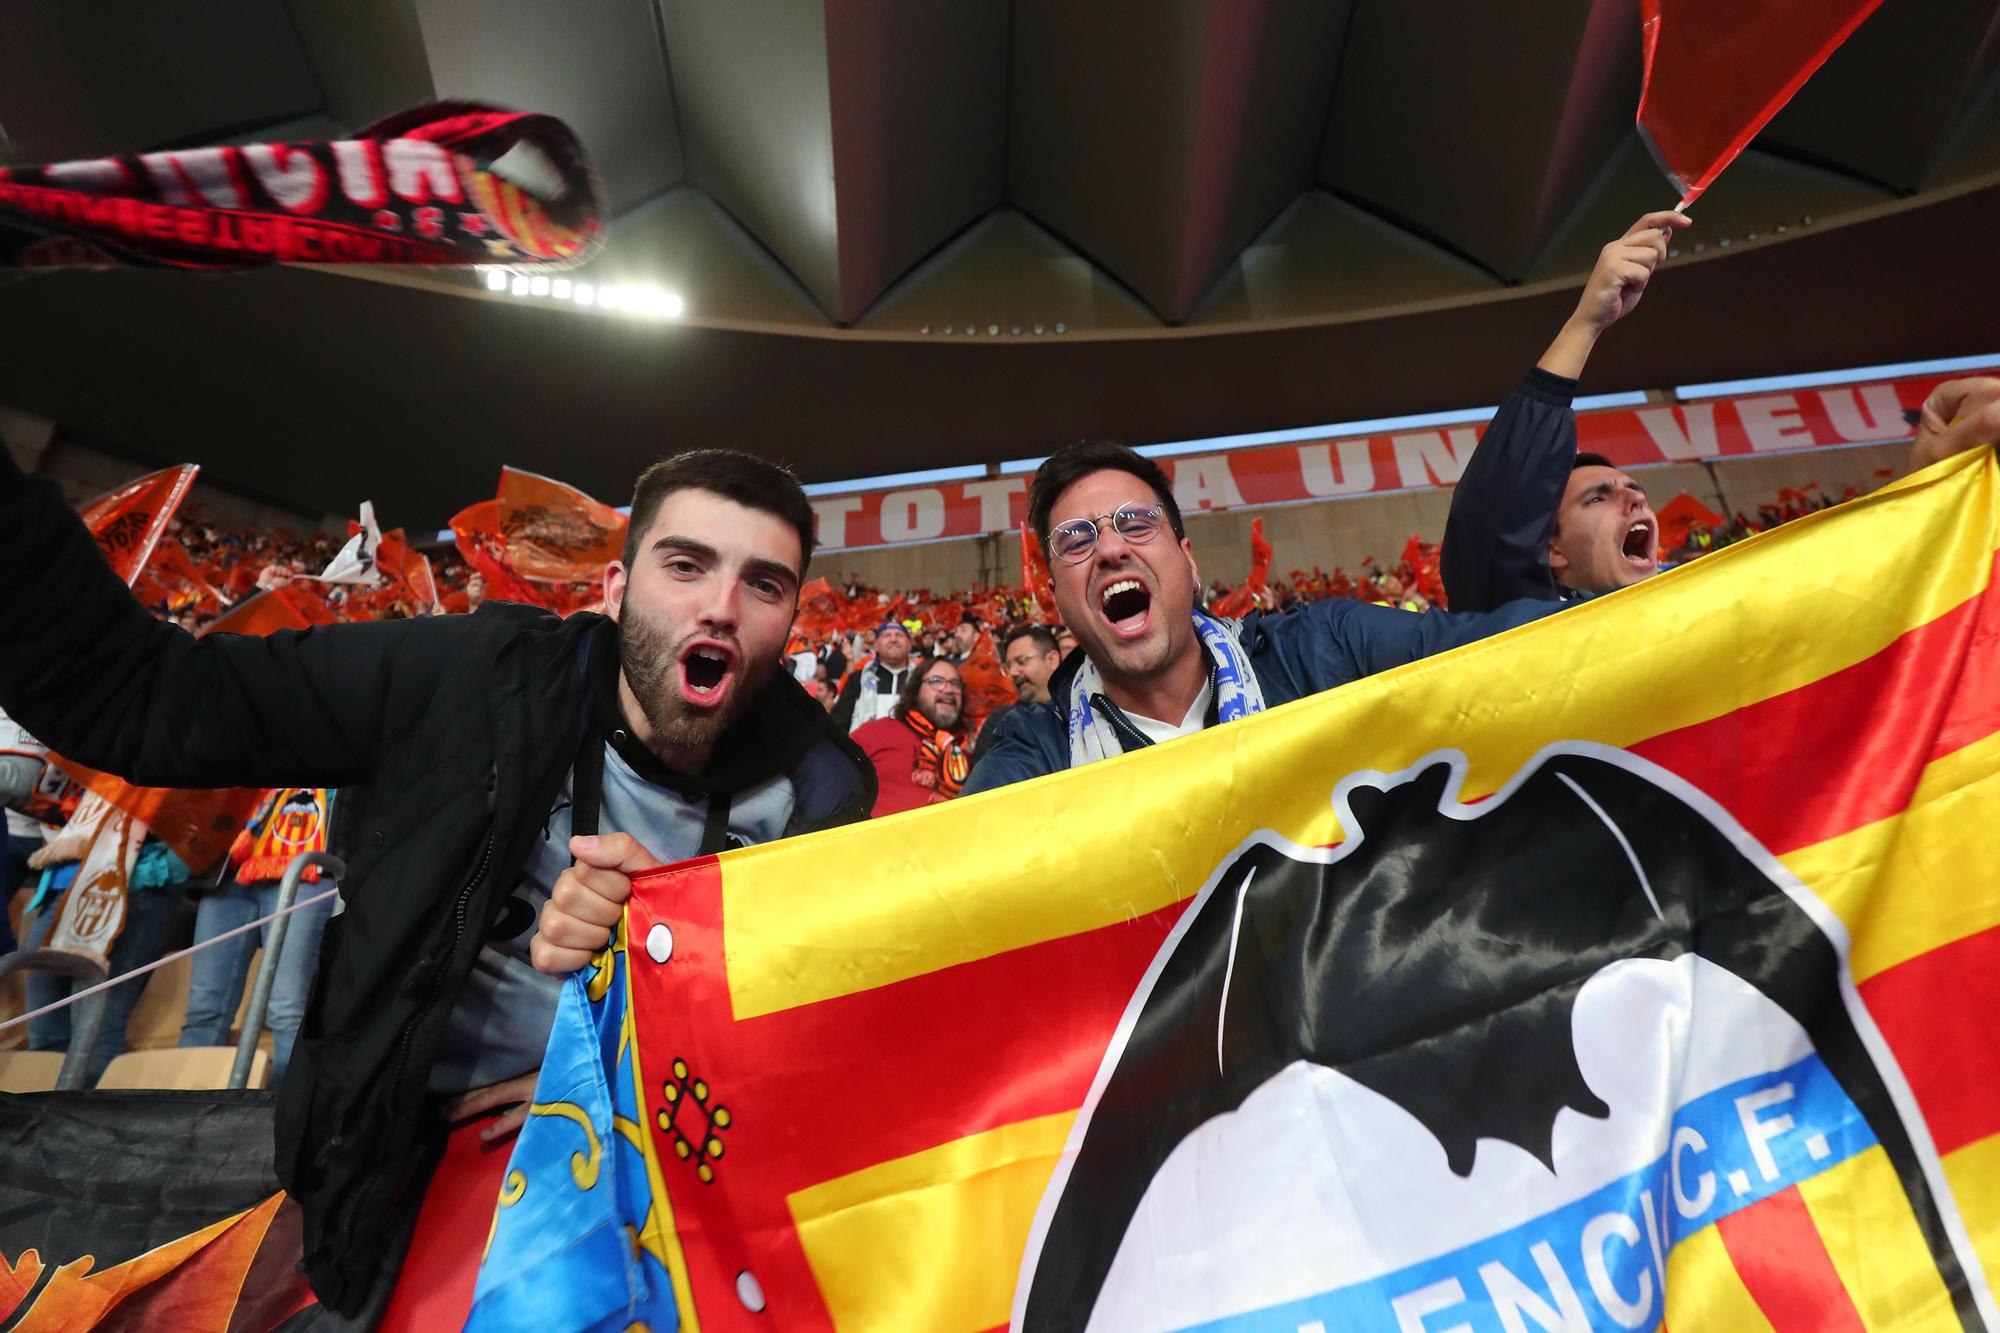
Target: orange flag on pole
{"type": "Point", "coordinates": [1681, 515]}
{"type": "Point", "coordinates": [986, 683]}
{"type": "Point", "coordinates": [555, 533]}
{"type": "Point", "coordinates": [129, 522]}
{"type": "Point", "coordinates": [484, 546]}
{"type": "Point", "coordinates": [1035, 575]}
{"type": "Point", "coordinates": [1718, 70]}
{"type": "Point", "coordinates": [1260, 557]}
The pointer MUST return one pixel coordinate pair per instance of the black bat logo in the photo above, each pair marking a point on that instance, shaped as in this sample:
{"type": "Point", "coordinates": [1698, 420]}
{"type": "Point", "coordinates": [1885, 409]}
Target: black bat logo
{"type": "Point", "coordinates": [1435, 957]}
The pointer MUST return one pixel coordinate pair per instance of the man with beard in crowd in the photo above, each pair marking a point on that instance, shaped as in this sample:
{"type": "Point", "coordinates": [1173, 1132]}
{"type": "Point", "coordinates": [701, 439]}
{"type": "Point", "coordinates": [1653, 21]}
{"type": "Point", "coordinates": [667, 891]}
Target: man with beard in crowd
{"type": "Point", "coordinates": [918, 751]}
{"type": "Point", "coordinates": [1030, 656]}
{"type": "Point", "coordinates": [481, 754]}
{"type": "Point", "coordinates": [872, 690]}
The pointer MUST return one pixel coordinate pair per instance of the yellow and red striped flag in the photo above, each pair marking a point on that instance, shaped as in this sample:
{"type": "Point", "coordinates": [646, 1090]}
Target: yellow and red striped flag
{"type": "Point", "coordinates": [1637, 967]}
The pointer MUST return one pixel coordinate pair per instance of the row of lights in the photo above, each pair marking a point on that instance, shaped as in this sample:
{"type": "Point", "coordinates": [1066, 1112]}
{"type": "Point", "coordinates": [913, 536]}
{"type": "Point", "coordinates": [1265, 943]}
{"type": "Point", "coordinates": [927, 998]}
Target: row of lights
{"type": "Point", "coordinates": [656, 302]}
{"type": "Point", "coordinates": [993, 330]}
{"type": "Point", "coordinates": [1700, 247]}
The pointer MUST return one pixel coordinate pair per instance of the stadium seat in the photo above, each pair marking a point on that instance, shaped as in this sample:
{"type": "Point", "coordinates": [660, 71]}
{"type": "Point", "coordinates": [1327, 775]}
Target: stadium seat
{"type": "Point", "coordinates": [29, 1071]}
{"type": "Point", "coordinates": [190, 1067]}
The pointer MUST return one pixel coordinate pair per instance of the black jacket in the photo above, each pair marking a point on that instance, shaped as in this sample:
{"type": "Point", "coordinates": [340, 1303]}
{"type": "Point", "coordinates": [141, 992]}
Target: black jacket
{"type": "Point", "coordinates": [451, 736]}
{"type": "Point", "coordinates": [1503, 510]}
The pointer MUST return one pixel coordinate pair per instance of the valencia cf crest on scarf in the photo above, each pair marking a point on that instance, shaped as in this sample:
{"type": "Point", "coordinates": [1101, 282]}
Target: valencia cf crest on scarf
{"type": "Point", "coordinates": [1477, 1019]}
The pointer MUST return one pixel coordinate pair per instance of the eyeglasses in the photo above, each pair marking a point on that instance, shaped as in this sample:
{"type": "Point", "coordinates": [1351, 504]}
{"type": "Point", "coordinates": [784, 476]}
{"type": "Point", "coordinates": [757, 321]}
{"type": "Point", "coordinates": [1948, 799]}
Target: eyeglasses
{"type": "Point", "coordinates": [1072, 542]}
{"type": "Point", "coordinates": [942, 683]}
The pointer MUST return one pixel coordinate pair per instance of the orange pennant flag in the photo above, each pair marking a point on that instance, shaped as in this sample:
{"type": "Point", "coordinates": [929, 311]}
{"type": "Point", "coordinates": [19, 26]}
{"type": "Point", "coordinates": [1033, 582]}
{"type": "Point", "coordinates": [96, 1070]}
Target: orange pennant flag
{"type": "Point", "coordinates": [1260, 557]}
{"type": "Point", "coordinates": [821, 608]}
{"type": "Point", "coordinates": [986, 683]}
{"type": "Point", "coordinates": [294, 606]}
{"type": "Point", "coordinates": [555, 532]}
{"type": "Point", "coordinates": [1680, 516]}
{"type": "Point", "coordinates": [409, 573]}
{"type": "Point", "coordinates": [1035, 576]}
{"type": "Point", "coordinates": [484, 546]}
{"type": "Point", "coordinates": [1716, 71]}
{"type": "Point", "coordinates": [129, 522]}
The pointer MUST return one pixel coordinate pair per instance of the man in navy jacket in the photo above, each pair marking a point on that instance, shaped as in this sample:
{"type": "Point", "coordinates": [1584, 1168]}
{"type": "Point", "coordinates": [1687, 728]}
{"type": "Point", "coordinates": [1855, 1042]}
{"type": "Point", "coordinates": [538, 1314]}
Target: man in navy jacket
{"type": "Point", "coordinates": [1154, 664]}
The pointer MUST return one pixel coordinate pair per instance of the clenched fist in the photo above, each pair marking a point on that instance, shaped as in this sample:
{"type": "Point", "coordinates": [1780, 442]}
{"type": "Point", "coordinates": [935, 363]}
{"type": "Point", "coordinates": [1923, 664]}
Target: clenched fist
{"type": "Point", "coordinates": [586, 901]}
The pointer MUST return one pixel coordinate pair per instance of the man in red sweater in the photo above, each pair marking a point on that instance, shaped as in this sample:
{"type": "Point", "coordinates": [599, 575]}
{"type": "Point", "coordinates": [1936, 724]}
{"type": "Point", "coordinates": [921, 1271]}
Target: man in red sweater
{"type": "Point", "coordinates": [918, 753]}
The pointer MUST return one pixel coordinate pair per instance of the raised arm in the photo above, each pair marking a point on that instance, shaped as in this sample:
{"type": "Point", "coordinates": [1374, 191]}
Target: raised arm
{"type": "Point", "coordinates": [1503, 509]}
{"type": "Point", "coordinates": [95, 677]}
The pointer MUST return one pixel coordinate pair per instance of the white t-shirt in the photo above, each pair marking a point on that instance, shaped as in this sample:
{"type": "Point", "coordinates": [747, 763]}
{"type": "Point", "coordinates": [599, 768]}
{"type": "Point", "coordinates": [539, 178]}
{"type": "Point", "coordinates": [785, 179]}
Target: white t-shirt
{"type": "Point", "coordinates": [1156, 731]}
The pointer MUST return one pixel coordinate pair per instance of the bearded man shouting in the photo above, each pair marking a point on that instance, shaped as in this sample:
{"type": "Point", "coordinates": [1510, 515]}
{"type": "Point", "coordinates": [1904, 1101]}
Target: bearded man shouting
{"type": "Point", "coordinates": [484, 758]}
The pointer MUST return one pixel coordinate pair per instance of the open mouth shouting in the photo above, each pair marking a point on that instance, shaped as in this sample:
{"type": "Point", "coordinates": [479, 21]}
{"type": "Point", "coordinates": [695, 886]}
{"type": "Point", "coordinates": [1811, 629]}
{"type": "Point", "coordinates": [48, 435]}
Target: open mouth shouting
{"type": "Point", "coordinates": [708, 667]}
{"type": "Point", "coordinates": [1640, 548]}
{"type": "Point", "coordinates": [1126, 605]}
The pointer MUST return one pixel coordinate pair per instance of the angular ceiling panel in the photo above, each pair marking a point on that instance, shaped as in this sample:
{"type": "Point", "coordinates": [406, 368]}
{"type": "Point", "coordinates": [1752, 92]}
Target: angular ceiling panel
{"type": "Point", "coordinates": [76, 81]}
{"type": "Point", "coordinates": [1931, 56]}
{"type": "Point", "coordinates": [683, 242]}
{"type": "Point", "coordinates": [368, 56]}
{"type": "Point", "coordinates": [919, 115]}
{"type": "Point", "coordinates": [1158, 136]}
{"type": "Point", "coordinates": [1760, 198]}
{"type": "Point", "coordinates": [1007, 277]}
{"type": "Point", "coordinates": [595, 63]}
{"type": "Point", "coordinates": [1479, 125]}
{"type": "Point", "coordinates": [750, 83]}
{"type": "Point", "coordinates": [1324, 258]}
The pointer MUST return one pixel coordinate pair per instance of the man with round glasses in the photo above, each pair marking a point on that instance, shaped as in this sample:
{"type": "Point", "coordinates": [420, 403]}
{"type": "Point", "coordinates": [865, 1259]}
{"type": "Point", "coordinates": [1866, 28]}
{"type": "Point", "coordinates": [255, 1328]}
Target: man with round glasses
{"type": "Point", "coordinates": [918, 751]}
{"type": "Point", "coordinates": [1154, 664]}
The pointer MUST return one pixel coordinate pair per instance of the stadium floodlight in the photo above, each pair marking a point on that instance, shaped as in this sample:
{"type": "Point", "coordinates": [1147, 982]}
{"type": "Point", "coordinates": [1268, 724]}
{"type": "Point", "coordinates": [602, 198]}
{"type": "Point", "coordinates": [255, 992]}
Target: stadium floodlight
{"type": "Point", "coordinates": [559, 289]}
{"type": "Point", "coordinates": [520, 287]}
{"type": "Point", "coordinates": [585, 294]}
{"type": "Point", "coordinates": [673, 307]}
{"type": "Point", "coordinates": [538, 286]}
{"type": "Point", "coordinates": [496, 279]}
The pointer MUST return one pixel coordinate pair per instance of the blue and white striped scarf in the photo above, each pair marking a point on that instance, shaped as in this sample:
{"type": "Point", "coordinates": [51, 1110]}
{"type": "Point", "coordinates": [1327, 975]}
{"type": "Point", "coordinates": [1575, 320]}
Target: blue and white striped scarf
{"type": "Point", "coordinates": [1091, 736]}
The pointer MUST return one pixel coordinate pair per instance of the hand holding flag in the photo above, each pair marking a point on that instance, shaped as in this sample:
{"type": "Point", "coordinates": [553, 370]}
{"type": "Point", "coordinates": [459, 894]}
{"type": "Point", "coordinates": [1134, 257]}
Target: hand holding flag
{"type": "Point", "coordinates": [1616, 283]}
{"type": "Point", "coordinates": [1958, 415]}
{"type": "Point", "coordinates": [587, 901]}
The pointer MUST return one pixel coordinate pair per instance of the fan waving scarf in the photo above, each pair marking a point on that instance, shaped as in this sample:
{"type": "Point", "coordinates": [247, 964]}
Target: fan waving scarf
{"type": "Point", "coordinates": [1718, 70]}
{"type": "Point", "coordinates": [450, 184]}
{"type": "Point", "coordinates": [1637, 965]}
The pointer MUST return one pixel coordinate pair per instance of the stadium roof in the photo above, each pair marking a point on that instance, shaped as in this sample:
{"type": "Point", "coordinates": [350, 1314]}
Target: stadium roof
{"type": "Point", "coordinates": [1230, 216]}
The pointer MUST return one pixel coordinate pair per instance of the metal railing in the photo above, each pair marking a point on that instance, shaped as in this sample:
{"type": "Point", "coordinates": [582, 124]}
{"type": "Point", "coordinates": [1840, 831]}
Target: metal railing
{"type": "Point", "coordinates": [90, 1001]}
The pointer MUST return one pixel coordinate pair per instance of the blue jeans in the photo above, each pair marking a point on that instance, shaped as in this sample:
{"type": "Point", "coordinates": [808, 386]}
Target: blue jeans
{"type": "Point", "coordinates": [149, 915]}
{"type": "Point", "coordinates": [14, 873]}
{"type": "Point", "coordinates": [215, 989]}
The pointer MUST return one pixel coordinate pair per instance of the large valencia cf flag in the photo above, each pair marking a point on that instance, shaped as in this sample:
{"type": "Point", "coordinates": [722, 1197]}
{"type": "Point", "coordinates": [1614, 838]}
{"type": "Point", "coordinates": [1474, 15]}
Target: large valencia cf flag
{"type": "Point", "coordinates": [1637, 968]}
